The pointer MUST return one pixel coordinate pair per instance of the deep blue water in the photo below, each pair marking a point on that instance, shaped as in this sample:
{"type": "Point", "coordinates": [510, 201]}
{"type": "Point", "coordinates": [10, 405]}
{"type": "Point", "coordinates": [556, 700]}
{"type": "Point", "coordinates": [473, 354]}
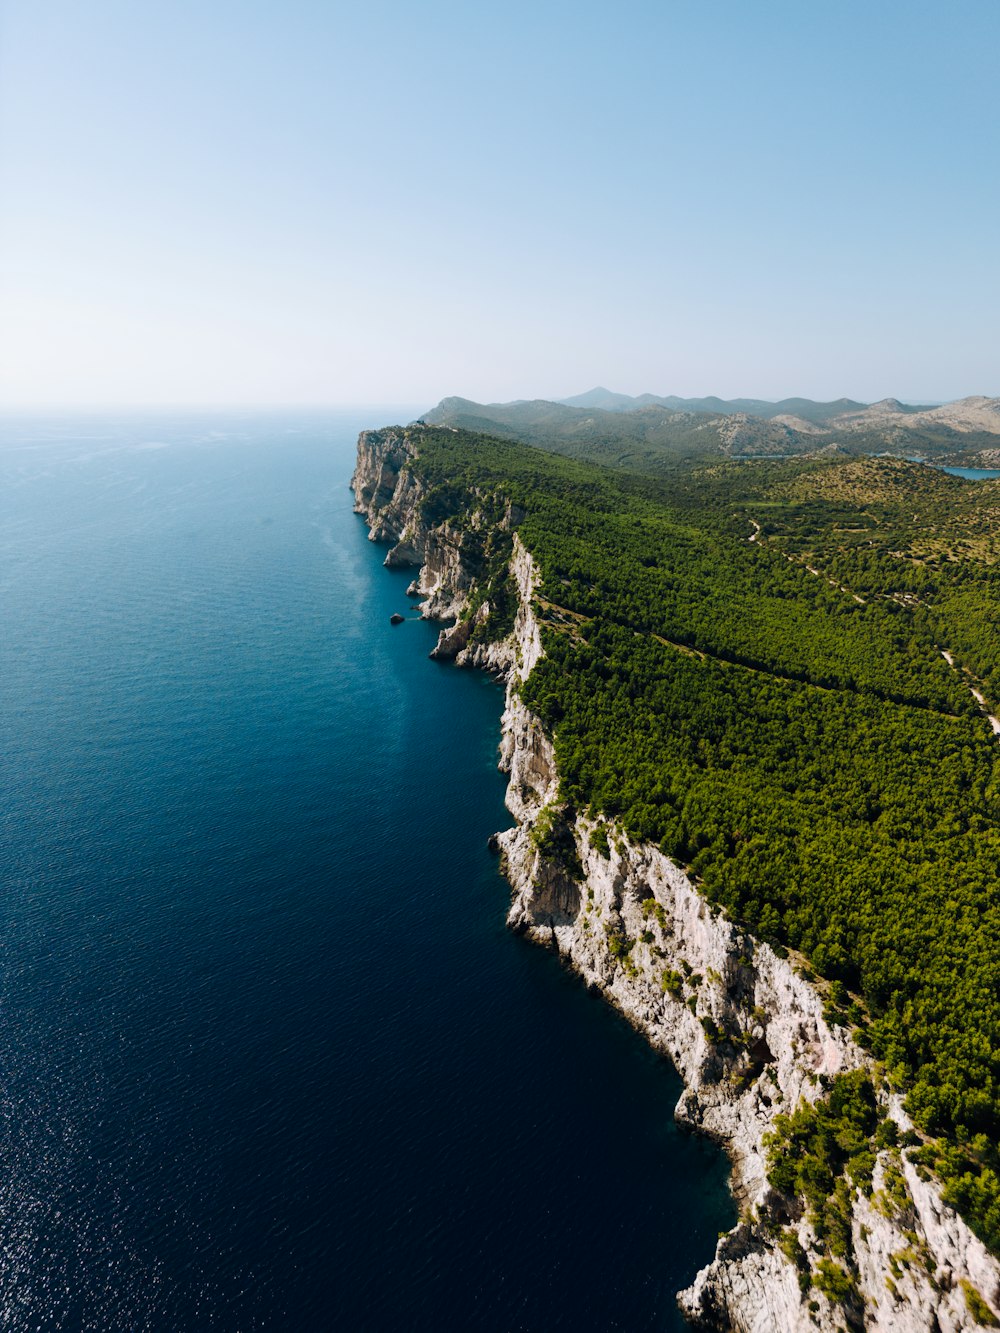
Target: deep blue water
{"type": "Point", "coordinates": [268, 1056]}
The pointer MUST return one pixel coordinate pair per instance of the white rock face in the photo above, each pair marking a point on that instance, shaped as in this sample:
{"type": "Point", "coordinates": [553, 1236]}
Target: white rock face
{"type": "Point", "coordinates": [743, 1028]}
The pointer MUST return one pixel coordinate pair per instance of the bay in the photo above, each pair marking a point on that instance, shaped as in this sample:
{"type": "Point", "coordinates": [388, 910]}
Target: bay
{"type": "Point", "coordinates": [973, 473]}
{"type": "Point", "coordinates": [268, 1056]}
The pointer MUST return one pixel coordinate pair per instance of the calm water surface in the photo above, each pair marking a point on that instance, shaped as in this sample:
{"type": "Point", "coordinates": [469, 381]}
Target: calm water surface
{"type": "Point", "coordinates": [973, 473]}
{"type": "Point", "coordinates": [268, 1057]}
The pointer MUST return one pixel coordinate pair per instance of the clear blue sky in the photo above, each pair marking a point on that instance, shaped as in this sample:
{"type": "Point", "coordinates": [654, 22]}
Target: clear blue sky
{"type": "Point", "coordinates": [230, 201]}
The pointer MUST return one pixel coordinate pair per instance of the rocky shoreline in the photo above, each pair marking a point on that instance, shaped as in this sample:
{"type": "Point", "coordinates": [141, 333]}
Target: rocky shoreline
{"type": "Point", "coordinates": [743, 1026]}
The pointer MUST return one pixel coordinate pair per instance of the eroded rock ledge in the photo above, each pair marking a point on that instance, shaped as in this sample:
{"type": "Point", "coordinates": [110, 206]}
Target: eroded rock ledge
{"type": "Point", "coordinates": [745, 1030]}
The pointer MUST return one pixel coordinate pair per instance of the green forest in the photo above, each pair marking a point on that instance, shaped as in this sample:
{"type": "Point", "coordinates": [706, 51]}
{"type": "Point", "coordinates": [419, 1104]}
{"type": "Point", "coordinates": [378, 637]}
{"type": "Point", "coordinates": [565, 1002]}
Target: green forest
{"type": "Point", "coordinates": [745, 665]}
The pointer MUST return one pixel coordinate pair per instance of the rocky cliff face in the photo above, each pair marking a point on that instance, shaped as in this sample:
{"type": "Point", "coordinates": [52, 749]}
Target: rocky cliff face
{"type": "Point", "coordinates": [743, 1027]}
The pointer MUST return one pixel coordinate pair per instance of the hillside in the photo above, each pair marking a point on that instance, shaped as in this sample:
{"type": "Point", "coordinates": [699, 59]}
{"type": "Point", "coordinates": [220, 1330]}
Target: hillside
{"type": "Point", "coordinates": [656, 435]}
{"type": "Point", "coordinates": [757, 407]}
{"type": "Point", "coordinates": [650, 439]}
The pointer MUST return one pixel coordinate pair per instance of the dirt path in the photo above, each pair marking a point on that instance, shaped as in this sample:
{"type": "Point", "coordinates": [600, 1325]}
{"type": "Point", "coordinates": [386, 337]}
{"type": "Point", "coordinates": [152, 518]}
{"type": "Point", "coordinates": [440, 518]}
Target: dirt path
{"type": "Point", "coordinates": [948, 657]}
{"type": "Point", "coordinates": [796, 561]}
{"type": "Point", "coordinates": [568, 622]}
{"type": "Point", "coordinates": [976, 694]}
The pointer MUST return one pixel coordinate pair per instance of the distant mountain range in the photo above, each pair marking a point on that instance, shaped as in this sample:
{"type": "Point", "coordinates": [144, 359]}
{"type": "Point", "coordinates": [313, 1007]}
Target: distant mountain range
{"type": "Point", "coordinates": [805, 408]}
{"type": "Point", "coordinates": [648, 433]}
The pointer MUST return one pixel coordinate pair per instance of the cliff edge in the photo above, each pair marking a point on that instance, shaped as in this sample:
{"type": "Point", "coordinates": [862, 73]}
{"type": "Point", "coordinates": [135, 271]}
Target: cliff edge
{"type": "Point", "coordinates": [743, 1026]}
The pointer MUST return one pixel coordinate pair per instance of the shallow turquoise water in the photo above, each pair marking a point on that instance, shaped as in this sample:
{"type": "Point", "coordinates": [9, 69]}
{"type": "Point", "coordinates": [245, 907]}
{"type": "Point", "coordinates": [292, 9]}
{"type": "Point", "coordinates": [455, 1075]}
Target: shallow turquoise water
{"type": "Point", "coordinates": [268, 1056]}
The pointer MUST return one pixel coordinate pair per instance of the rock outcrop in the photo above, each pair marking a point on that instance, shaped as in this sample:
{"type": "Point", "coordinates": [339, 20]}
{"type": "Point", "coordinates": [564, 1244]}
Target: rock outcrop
{"type": "Point", "coordinates": [743, 1026]}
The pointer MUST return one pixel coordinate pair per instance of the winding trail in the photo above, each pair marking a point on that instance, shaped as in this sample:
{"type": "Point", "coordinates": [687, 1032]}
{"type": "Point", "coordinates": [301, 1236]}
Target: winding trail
{"type": "Point", "coordinates": [795, 560]}
{"type": "Point", "coordinates": [948, 657]}
{"type": "Point", "coordinates": [976, 694]}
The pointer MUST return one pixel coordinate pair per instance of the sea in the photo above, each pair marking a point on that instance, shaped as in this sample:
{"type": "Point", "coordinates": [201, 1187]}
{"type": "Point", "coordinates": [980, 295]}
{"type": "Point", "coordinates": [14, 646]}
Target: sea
{"type": "Point", "coordinates": [269, 1058]}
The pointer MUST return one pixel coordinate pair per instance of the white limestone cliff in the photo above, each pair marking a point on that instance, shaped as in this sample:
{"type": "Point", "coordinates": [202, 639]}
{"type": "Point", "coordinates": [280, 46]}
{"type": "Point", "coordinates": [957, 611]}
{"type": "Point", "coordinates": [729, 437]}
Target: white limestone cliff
{"type": "Point", "coordinates": [741, 1024]}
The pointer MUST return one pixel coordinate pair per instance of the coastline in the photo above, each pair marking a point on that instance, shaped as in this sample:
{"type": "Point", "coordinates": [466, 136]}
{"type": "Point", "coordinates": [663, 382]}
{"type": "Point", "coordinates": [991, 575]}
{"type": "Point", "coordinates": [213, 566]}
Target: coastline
{"type": "Point", "coordinates": [742, 1025]}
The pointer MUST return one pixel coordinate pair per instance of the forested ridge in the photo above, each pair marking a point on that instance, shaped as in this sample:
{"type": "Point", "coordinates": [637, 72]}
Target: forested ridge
{"type": "Point", "coordinates": [655, 436]}
{"type": "Point", "coordinates": [777, 714]}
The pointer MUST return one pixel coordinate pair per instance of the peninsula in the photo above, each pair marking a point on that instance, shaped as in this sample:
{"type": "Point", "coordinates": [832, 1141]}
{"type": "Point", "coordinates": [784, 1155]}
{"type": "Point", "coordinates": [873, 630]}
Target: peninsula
{"type": "Point", "coordinates": [754, 777]}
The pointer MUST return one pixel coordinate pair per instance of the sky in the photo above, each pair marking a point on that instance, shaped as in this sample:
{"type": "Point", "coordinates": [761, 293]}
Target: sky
{"type": "Point", "coordinates": [221, 202]}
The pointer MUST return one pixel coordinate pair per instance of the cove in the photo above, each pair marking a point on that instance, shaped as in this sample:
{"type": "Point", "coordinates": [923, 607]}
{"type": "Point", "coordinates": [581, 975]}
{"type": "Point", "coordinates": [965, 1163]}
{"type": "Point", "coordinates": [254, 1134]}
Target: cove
{"type": "Point", "coordinates": [269, 1057]}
